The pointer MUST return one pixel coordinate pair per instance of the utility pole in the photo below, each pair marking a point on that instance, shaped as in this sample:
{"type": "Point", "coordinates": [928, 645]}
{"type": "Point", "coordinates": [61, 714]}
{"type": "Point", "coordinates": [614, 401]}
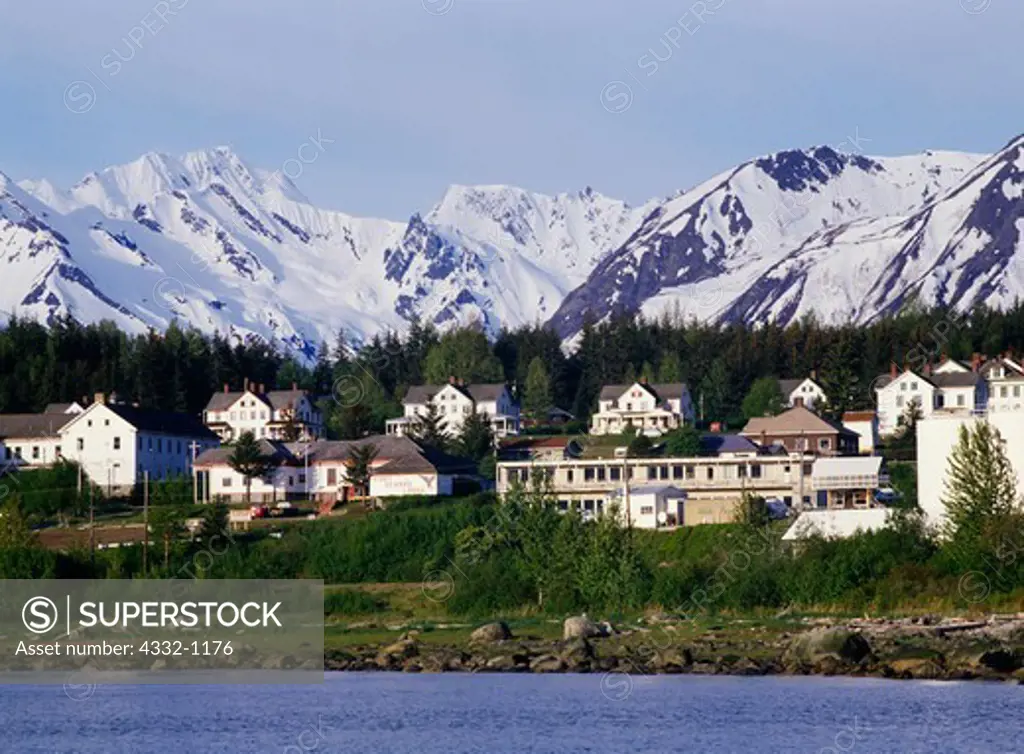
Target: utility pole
{"type": "Point", "coordinates": [195, 478]}
{"type": "Point", "coordinates": [145, 524]}
{"type": "Point", "coordinates": [305, 466]}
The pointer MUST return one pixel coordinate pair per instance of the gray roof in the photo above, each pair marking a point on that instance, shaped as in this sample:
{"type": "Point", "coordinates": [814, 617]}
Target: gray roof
{"type": "Point", "coordinates": [477, 391]}
{"type": "Point", "coordinates": [662, 391]}
{"type": "Point", "coordinates": [788, 386]}
{"type": "Point", "coordinates": [275, 399]}
{"type": "Point", "coordinates": [165, 422]}
{"type": "Point", "coordinates": [58, 408]}
{"type": "Point", "coordinates": [401, 454]}
{"type": "Point", "coordinates": [954, 379]}
{"type": "Point", "coordinates": [33, 425]}
{"type": "Point", "coordinates": [714, 444]}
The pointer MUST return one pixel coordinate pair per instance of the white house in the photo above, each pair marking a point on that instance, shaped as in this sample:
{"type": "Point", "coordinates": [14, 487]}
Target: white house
{"type": "Point", "coordinates": [653, 506]}
{"type": "Point", "coordinates": [34, 439]}
{"type": "Point", "coordinates": [1005, 378]}
{"type": "Point", "coordinates": [455, 401]}
{"type": "Point", "coordinates": [804, 392]}
{"type": "Point", "coordinates": [319, 470]}
{"type": "Point", "coordinates": [936, 437]}
{"type": "Point", "coordinates": [848, 482]}
{"type": "Point", "coordinates": [642, 407]}
{"type": "Point", "coordinates": [950, 387]}
{"type": "Point", "coordinates": [116, 443]}
{"type": "Point", "coordinates": [272, 414]}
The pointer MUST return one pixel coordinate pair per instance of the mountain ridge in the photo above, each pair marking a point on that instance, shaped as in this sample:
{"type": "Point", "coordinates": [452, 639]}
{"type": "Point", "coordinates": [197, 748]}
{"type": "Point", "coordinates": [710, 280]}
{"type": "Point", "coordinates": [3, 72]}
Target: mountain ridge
{"type": "Point", "coordinates": [208, 240]}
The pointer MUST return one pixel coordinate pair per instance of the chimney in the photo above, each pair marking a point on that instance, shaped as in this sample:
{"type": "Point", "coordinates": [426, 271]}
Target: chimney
{"type": "Point", "coordinates": [814, 375]}
{"type": "Point", "coordinates": [944, 358]}
{"type": "Point", "coordinates": [893, 370]}
{"type": "Point", "coordinates": [295, 386]}
{"type": "Point", "coordinates": [99, 398]}
{"type": "Point", "coordinates": [462, 382]}
{"type": "Point", "coordinates": [225, 388]}
{"type": "Point", "coordinates": [262, 391]}
{"type": "Point", "coordinates": [451, 380]}
{"type": "Point", "coordinates": [245, 384]}
{"type": "Point", "coordinates": [928, 369]}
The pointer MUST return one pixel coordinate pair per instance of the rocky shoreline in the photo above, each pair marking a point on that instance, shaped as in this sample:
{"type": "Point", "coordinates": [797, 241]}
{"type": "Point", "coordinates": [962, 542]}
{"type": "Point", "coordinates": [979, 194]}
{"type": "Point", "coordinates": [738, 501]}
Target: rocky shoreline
{"type": "Point", "coordinates": [920, 648]}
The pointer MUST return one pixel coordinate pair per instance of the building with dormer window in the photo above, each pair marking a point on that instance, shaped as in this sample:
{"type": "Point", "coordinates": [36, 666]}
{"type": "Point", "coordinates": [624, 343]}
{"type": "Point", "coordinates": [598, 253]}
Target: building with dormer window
{"type": "Point", "coordinates": [642, 408]}
{"type": "Point", "coordinates": [271, 415]}
{"type": "Point", "coordinates": [455, 401]}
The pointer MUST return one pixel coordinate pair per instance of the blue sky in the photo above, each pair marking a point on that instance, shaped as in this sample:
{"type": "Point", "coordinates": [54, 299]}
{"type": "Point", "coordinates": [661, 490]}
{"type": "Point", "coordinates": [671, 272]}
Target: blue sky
{"type": "Point", "coordinates": [549, 95]}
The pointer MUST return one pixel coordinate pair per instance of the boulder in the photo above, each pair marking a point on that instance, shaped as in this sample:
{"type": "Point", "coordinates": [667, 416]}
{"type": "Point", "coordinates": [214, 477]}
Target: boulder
{"type": "Point", "coordinates": [839, 645]}
{"type": "Point", "coordinates": [547, 664]}
{"type": "Point", "coordinates": [580, 627]}
{"type": "Point", "coordinates": [402, 648]}
{"type": "Point", "coordinates": [491, 632]}
{"type": "Point", "coordinates": [915, 667]}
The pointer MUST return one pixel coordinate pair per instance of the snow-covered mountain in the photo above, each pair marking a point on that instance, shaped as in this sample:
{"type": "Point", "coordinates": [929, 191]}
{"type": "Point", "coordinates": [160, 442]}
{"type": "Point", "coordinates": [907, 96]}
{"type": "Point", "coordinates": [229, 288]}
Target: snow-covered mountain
{"type": "Point", "coordinates": [210, 241]}
{"type": "Point", "coordinates": [727, 250]}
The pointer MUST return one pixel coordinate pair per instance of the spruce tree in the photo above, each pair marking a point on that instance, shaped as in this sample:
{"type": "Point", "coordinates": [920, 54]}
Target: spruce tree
{"type": "Point", "coordinates": [537, 399]}
{"type": "Point", "coordinates": [981, 486]}
{"type": "Point", "coordinates": [429, 429]}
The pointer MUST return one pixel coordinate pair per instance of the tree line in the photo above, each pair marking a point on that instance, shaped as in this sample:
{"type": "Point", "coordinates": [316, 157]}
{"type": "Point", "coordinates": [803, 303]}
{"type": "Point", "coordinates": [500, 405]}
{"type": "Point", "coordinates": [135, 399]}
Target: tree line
{"type": "Point", "coordinates": [362, 383]}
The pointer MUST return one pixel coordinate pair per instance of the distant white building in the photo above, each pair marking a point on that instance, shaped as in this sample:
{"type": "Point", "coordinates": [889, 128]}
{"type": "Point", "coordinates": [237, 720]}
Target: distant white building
{"type": "Point", "coordinates": [116, 444]}
{"type": "Point", "coordinates": [319, 470]}
{"type": "Point", "coordinates": [268, 414]}
{"type": "Point", "coordinates": [642, 408]}
{"type": "Point", "coordinates": [28, 440]}
{"type": "Point", "coordinates": [455, 401]}
{"type": "Point", "coordinates": [937, 436]}
{"type": "Point", "coordinates": [804, 392]}
{"type": "Point", "coordinates": [653, 506]}
{"type": "Point", "coordinates": [1005, 378]}
{"type": "Point", "coordinates": [865, 424]}
{"type": "Point", "coordinates": [950, 387]}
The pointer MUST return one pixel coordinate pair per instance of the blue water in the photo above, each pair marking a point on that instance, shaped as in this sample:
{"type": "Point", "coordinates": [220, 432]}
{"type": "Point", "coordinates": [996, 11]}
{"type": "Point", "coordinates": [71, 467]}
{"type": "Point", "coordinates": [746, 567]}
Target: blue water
{"type": "Point", "coordinates": [392, 714]}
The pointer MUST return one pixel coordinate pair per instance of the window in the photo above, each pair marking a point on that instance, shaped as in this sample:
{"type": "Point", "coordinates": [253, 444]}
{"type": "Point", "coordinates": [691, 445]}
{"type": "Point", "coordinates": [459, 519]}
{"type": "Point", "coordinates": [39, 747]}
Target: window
{"type": "Point", "coordinates": [755, 471]}
{"type": "Point", "coordinates": [600, 473]}
{"type": "Point", "coordinates": [913, 386]}
{"type": "Point", "coordinates": [823, 443]}
{"type": "Point", "coordinates": [234, 415]}
{"type": "Point", "coordinates": [332, 477]}
{"type": "Point", "coordinates": [140, 442]}
{"type": "Point", "coordinates": [263, 414]}
{"type": "Point", "coordinates": [677, 472]}
{"type": "Point", "coordinates": [903, 387]}
{"type": "Point", "coordinates": [741, 471]}
{"type": "Point", "coordinates": [291, 481]}
{"type": "Point", "coordinates": [652, 472]}
{"type": "Point", "coordinates": [711, 473]}
{"type": "Point", "coordinates": [252, 415]}
{"type": "Point", "coordinates": [899, 401]}
{"type": "Point", "coordinates": [1003, 392]}
{"type": "Point", "coordinates": [807, 469]}
{"type": "Point", "coordinates": [568, 475]}
{"type": "Point", "coordinates": [646, 510]}
{"type": "Point", "coordinates": [159, 445]}
{"type": "Point", "coordinates": [615, 473]}
{"type": "Point", "coordinates": [663, 472]}
{"type": "Point", "coordinates": [691, 471]}
{"type": "Point", "coordinates": [959, 400]}
{"type": "Point", "coordinates": [117, 443]}
{"type": "Point", "coordinates": [226, 482]}
{"type": "Point", "coordinates": [57, 451]}
{"type": "Point", "coordinates": [81, 443]}
{"type": "Point", "coordinates": [106, 422]}
{"type": "Point", "coordinates": [179, 447]}
{"type": "Point", "coordinates": [149, 444]}
{"type": "Point", "coordinates": [35, 452]}
{"type": "Point", "coordinates": [88, 422]}
{"type": "Point", "coordinates": [588, 474]}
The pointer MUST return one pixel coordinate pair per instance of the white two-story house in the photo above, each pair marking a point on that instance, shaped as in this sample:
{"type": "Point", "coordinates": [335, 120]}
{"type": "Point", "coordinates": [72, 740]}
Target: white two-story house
{"type": "Point", "coordinates": [1005, 380]}
{"type": "Point", "coordinates": [642, 407]}
{"type": "Point", "coordinates": [116, 444]}
{"type": "Point", "coordinates": [455, 401]}
{"type": "Point", "coordinates": [804, 392]}
{"type": "Point", "coordinates": [951, 386]}
{"type": "Point", "coordinates": [272, 415]}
